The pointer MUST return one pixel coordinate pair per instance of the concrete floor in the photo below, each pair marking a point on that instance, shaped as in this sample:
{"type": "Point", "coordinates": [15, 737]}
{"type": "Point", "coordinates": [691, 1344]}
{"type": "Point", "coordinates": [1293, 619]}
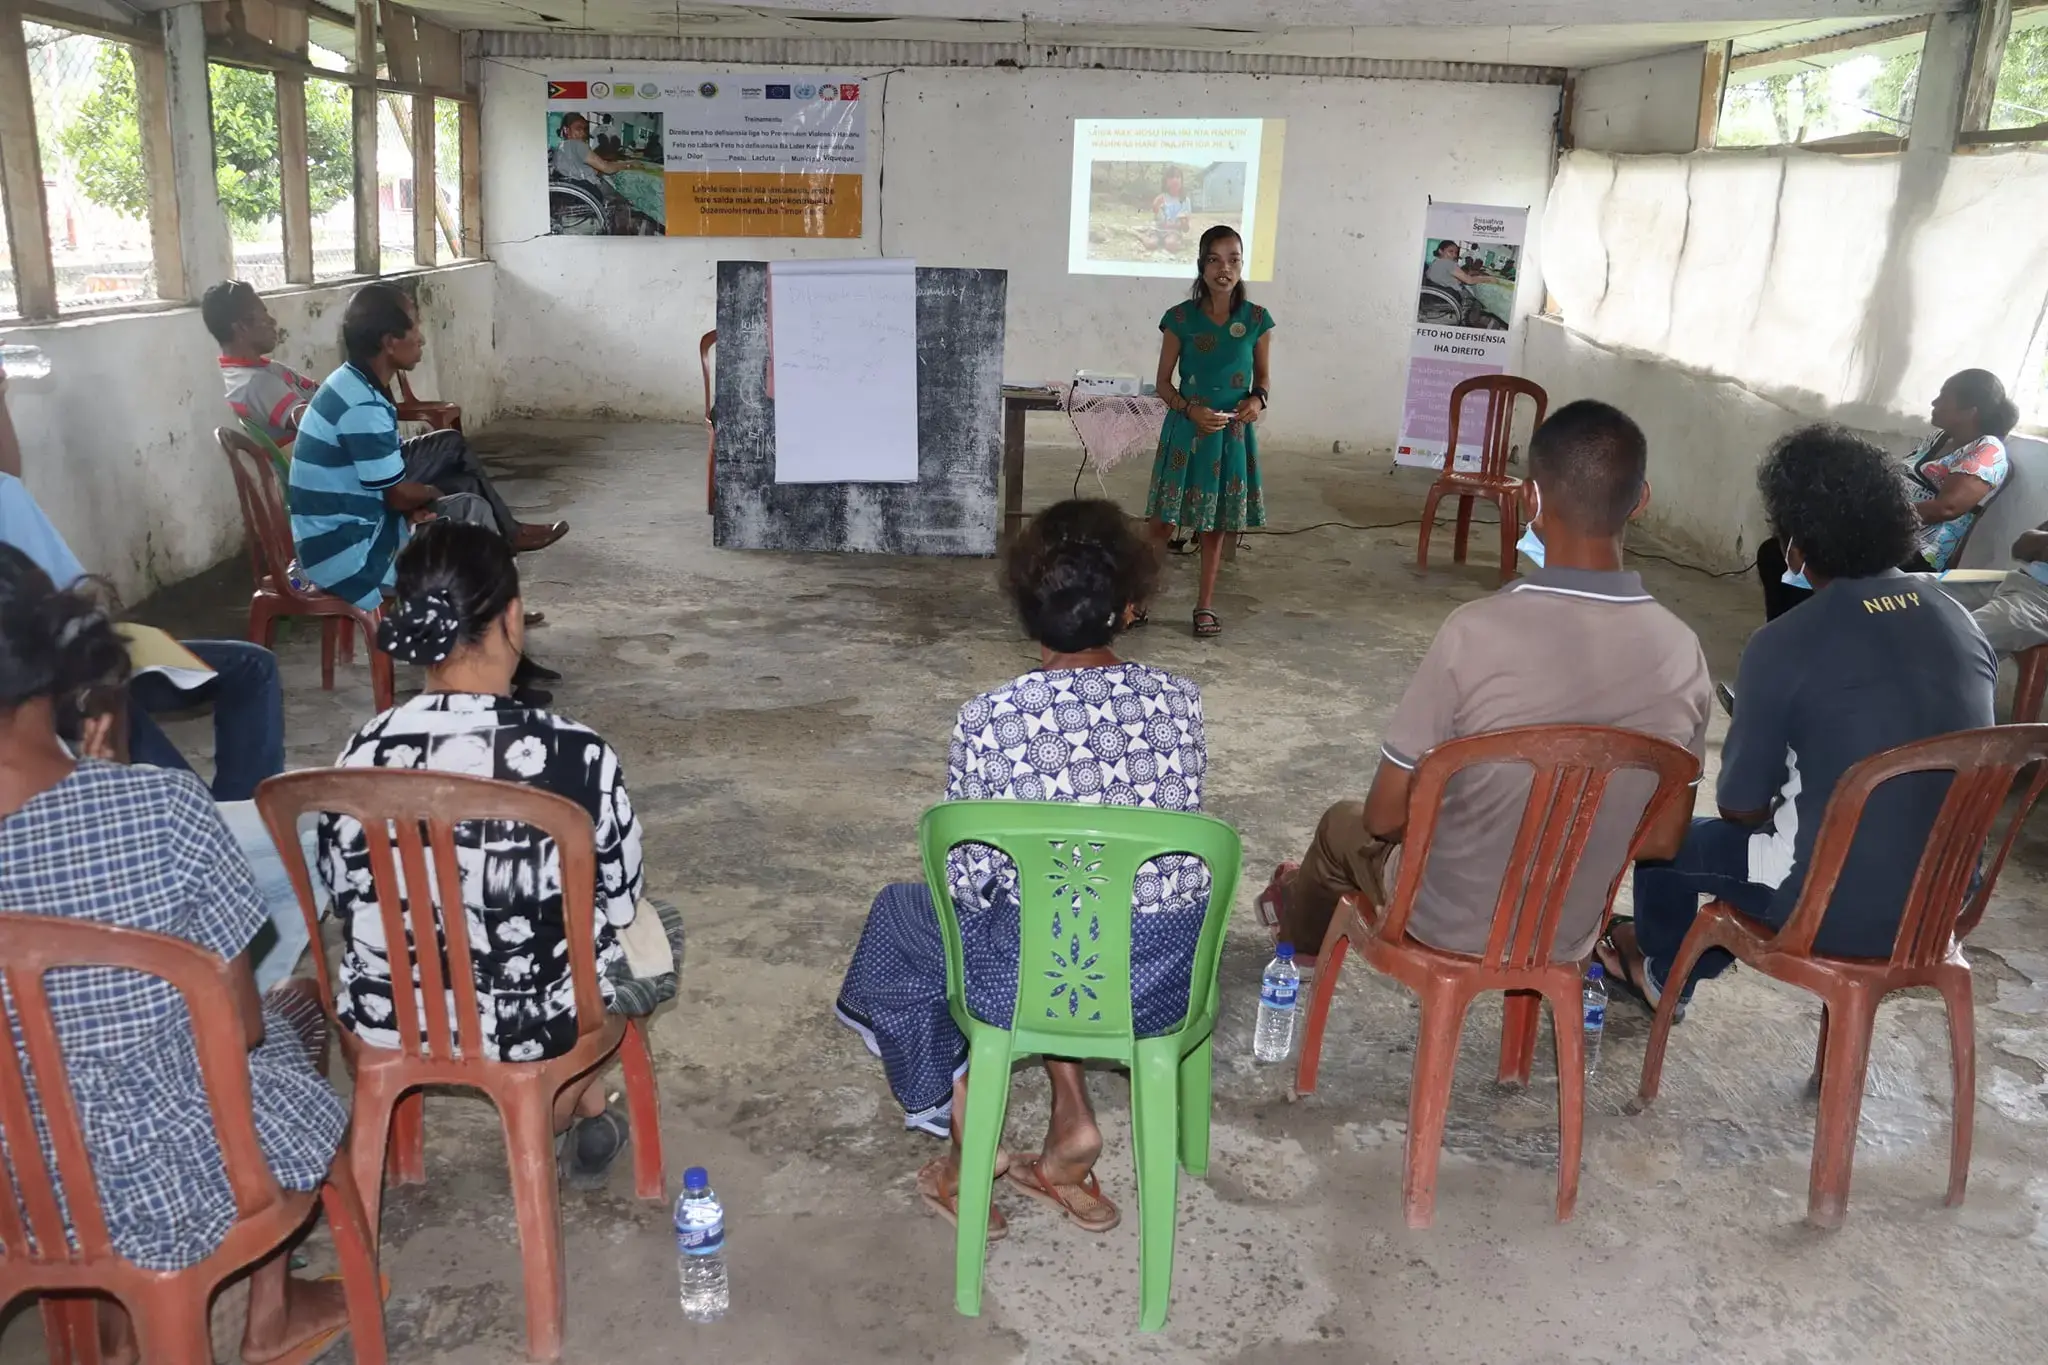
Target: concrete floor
{"type": "Point", "coordinates": [783, 720]}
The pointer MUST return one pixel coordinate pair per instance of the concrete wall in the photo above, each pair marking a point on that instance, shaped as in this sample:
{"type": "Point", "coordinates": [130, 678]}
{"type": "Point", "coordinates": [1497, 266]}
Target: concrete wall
{"type": "Point", "coordinates": [117, 443]}
{"type": "Point", "coordinates": [1652, 105]}
{"type": "Point", "coordinates": [978, 172]}
{"type": "Point", "coordinates": [1708, 432]}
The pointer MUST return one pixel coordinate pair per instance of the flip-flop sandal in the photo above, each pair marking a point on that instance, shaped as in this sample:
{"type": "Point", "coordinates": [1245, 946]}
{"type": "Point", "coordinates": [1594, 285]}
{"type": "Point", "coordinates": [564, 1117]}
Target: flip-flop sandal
{"type": "Point", "coordinates": [1026, 1176]}
{"type": "Point", "coordinates": [1267, 908]}
{"type": "Point", "coordinates": [947, 1206]}
{"type": "Point", "coordinates": [1623, 981]}
{"type": "Point", "coordinates": [1213, 626]}
{"type": "Point", "coordinates": [308, 1351]}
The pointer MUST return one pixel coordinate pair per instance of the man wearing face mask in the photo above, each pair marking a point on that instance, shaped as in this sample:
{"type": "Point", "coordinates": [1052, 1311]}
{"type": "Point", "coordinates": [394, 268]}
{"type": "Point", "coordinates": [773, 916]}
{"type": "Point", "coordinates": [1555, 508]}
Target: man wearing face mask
{"type": "Point", "coordinates": [1872, 660]}
{"type": "Point", "coordinates": [1576, 642]}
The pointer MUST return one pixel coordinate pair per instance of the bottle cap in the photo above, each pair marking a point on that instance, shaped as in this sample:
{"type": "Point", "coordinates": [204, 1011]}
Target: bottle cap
{"type": "Point", "coordinates": [1285, 952]}
{"type": "Point", "coordinates": [696, 1178]}
{"type": "Point", "coordinates": [1595, 972]}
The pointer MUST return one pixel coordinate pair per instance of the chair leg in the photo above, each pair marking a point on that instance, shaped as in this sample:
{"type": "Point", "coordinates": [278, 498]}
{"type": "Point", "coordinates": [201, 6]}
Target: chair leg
{"type": "Point", "coordinates": [172, 1325]}
{"type": "Point", "coordinates": [1851, 1017]}
{"type": "Point", "coordinates": [988, 1100]}
{"type": "Point", "coordinates": [71, 1329]}
{"type": "Point", "coordinates": [1962, 1043]}
{"type": "Point", "coordinates": [1464, 533]}
{"type": "Point", "coordinates": [643, 1106]}
{"type": "Point", "coordinates": [1568, 1038]}
{"type": "Point", "coordinates": [330, 637]}
{"type": "Point", "coordinates": [1196, 1077]}
{"type": "Point", "coordinates": [528, 1115]}
{"type": "Point", "coordinates": [1510, 533]}
{"type": "Point", "coordinates": [1429, 1098]}
{"type": "Point", "coordinates": [357, 1251]}
{"type": "Point", "coordinates": [1521, 1019]}
{"type": "Point", "coordinates": [408, 1162]}
{"type": "Point", "coordinates": [1329, 962]}
{"type": "Point", "coordinates": [368, 1147]}
{"type": "Point", "coordinates": [1154, 1087]}
{"type": "Point", "coordinates": [1428, 524]}
{"type": "Point", "coordinates": [1697, 941]}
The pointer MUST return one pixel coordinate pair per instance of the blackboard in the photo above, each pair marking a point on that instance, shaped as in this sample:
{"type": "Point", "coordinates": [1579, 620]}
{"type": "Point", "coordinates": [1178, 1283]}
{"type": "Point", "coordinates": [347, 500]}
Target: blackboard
{"type": "Point", "coordinates": [950, 510]}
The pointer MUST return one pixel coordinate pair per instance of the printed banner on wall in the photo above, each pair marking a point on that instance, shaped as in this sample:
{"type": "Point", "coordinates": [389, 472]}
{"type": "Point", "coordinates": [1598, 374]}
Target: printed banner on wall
{"type": "Point", "coordinates": [1471, 260]}
{"type": "Point", "coordinates": [653, 154]}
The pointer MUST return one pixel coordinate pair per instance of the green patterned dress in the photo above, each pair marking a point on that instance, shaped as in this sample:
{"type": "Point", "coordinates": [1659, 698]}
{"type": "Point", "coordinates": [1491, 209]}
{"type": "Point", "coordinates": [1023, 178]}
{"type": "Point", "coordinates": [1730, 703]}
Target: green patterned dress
{"type": "Point", "coordinates": [1210, 483]}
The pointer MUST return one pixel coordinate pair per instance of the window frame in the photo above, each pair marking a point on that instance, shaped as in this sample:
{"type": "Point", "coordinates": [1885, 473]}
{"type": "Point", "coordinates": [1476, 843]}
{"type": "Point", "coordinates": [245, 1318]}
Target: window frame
{"type": "Point", "coordinates": [423, 60]}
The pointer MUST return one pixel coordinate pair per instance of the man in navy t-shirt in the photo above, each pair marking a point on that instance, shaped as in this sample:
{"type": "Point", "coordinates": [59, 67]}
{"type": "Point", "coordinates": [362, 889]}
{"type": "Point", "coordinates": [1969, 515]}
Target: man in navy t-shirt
{"type": "Point", "coordinates": [1874, 659]}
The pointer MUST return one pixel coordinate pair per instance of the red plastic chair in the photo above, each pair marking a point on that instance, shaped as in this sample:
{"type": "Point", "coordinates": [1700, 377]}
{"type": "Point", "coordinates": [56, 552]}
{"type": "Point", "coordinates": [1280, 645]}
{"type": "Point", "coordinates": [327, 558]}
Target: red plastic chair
{"type": "Point", "coordinates": [170, 1308]}
{"type": "Point", "coordinates": [269, 530]}
{"type": "Point", "coordinates": [437, 416]}
{"type": "Point", "coordinates": [704, 345]}
{"type": "Point", "coordinates": [1491, 480]}
{"type": "Point", "coordinates": [1939, 913]}
{"type": "Point", "coordinates": [1571, 768]}
{"type": "Point", "coordinates": [436, 1047]}
{"type": "Point", "coordinates": [2033, 682]}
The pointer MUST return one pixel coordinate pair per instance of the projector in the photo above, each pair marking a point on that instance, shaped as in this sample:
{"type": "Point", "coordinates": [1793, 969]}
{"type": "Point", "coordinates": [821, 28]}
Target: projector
{"type": "Point", "coordinates": [1091, 383]}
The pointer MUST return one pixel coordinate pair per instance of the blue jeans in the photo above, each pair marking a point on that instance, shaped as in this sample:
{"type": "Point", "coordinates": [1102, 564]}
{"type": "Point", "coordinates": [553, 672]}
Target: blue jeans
{"type": "Point", "coordinates": [248, 717]}
{"type": "Point", "coordinates": [1714, 862]}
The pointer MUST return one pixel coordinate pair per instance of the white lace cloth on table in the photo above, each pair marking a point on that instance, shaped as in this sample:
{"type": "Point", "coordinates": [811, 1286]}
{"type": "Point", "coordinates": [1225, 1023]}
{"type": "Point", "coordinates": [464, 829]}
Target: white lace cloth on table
{"type": "Point", "coordinates": [1112, 426]}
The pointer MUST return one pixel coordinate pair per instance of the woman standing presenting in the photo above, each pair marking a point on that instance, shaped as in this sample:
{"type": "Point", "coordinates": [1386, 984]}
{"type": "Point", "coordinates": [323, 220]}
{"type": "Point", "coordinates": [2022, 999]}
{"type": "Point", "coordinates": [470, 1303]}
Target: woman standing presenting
{"type": "Point", "coordinates": [1206, 478]}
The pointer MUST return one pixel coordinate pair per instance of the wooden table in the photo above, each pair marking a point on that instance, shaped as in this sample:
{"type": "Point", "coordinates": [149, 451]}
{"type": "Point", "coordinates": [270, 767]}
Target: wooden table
{"type": "Point", "coordinates": [1019, 399]}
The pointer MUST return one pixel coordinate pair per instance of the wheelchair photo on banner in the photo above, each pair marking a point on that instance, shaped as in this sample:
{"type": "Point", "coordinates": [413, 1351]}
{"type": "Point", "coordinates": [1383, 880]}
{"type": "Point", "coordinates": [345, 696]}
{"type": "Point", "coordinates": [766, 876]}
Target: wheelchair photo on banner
{"type": "Point", "coordinates": [605, 174]}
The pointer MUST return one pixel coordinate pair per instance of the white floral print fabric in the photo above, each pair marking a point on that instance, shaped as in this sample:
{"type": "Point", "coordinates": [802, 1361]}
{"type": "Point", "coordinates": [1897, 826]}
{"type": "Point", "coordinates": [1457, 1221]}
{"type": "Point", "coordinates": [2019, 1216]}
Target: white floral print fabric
{"type": "Point", "coordinates": [511, 876]}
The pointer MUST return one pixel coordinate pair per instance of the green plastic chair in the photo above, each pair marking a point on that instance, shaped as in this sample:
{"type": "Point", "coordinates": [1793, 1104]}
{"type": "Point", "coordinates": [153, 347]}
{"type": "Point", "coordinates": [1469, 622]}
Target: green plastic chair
{"type": "Point", "coordinates": [1076, 869]}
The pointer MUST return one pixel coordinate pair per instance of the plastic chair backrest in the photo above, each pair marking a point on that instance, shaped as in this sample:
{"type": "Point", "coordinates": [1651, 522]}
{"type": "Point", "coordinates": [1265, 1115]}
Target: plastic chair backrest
{"type": "Point", "coordinates": [1939, 908]}
{"type": "Point", "coordinates": [1497, 442]}
{"type": "Point", "coordinates": [1077, 867]}
{"type": "Point", "coordinates": [409, 818]}
{"type": "Point", "coordinates": [32, 946]}
{"type": "Point", "coordinates": [705, 344]}
{"type": "Point", "coordinates": [1571, 767]}
{"type": "Point", "coordinates": [261, 492]}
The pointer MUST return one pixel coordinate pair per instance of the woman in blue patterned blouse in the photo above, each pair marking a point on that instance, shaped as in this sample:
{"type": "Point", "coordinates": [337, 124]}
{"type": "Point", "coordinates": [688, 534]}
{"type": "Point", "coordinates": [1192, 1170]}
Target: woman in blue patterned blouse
{"type": "Point", "coordinates": [144, 848]}
{"type": "Point", "coordinates": [1085, 726]}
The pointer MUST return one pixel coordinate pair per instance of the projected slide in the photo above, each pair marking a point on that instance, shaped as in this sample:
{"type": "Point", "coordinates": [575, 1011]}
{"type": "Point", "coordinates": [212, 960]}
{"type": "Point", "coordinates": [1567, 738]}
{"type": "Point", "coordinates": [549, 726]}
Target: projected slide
{"type": "Point", "coordinates": [1146, 189]}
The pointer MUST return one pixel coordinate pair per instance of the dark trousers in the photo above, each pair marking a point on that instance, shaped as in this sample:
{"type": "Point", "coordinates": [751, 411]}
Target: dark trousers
{"type": "Point", "coordinates": [248, 716]}
{"type": "Point", "coordinates": [444, 459]}
{"type": "Point", "coordinates": [1713, 862]}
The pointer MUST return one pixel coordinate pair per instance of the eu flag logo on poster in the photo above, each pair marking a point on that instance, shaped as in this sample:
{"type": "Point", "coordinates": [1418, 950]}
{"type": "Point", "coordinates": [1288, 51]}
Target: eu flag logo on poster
{"type": "Point", "coordinates": [778, 92]}
{"type": "Point", "coordinates": [568, 90]}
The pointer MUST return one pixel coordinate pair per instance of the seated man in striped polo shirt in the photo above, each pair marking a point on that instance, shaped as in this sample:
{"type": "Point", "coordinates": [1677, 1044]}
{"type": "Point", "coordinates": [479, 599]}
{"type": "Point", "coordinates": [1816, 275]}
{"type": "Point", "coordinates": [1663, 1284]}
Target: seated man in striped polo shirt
{"type": "Point", "coordinates": [355, 487]}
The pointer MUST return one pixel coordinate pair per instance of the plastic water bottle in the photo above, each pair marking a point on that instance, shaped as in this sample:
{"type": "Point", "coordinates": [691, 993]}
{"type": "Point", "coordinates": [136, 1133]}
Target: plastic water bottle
{"type": "Point", "coordinates": [20, 361]}
{"type": "Point", "coordinates": [1596, 1014]}
{"type": "Point", "coordinates": [1273, 1040]}
{"type": "Point", "coordinates": [700, 1249]}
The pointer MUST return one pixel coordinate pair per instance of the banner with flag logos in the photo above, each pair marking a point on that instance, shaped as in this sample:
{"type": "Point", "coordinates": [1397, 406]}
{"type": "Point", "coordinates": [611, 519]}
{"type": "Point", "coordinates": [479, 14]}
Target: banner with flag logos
{"type": "Point", "coordinates": [662, 152]}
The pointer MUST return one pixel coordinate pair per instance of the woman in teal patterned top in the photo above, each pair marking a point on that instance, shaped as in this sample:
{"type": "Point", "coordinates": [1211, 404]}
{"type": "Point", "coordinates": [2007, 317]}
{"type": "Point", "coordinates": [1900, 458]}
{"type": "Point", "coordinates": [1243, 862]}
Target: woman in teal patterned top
{"type": "Point", "coordinates": [1206, 478]}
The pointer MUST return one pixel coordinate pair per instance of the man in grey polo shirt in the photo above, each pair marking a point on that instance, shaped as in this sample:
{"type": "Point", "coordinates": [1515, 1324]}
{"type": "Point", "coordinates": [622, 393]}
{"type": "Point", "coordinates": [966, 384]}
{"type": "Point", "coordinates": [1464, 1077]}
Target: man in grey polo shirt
{"type": "Point", "coordinates": [1577, 642]}
{"type": "Point", "coordinates": [1874, 659]}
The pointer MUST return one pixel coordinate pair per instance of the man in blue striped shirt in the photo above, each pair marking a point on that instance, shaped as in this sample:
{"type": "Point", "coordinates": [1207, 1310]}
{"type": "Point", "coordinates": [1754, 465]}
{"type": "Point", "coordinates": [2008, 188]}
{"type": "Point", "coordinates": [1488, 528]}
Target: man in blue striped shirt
{"type": "Point", "coordinates": [355, 485]}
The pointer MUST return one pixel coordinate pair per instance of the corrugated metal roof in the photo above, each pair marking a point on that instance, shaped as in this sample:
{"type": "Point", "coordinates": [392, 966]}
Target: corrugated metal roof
{"type": "Point", "coordinates": [871, 54]}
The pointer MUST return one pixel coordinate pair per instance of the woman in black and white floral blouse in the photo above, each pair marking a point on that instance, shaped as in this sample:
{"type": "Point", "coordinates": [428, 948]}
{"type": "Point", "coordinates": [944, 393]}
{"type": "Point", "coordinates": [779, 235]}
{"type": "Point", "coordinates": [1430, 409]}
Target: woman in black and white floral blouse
{"type": "Point", "coordinates": [459, 614]}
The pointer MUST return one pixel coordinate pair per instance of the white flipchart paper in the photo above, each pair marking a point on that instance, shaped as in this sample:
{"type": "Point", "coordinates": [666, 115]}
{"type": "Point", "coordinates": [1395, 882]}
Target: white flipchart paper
{"type": "Point", "coordinates": [843, 335]}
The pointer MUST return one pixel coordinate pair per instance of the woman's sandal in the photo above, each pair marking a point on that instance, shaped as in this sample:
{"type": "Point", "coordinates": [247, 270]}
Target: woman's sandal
{"type": "Point", "coordinates": [947, 1205]}
{"type": "Point", "coordinates": [1207, 624]}
{"type": "Point", "coordinates": [1026, 1176]}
